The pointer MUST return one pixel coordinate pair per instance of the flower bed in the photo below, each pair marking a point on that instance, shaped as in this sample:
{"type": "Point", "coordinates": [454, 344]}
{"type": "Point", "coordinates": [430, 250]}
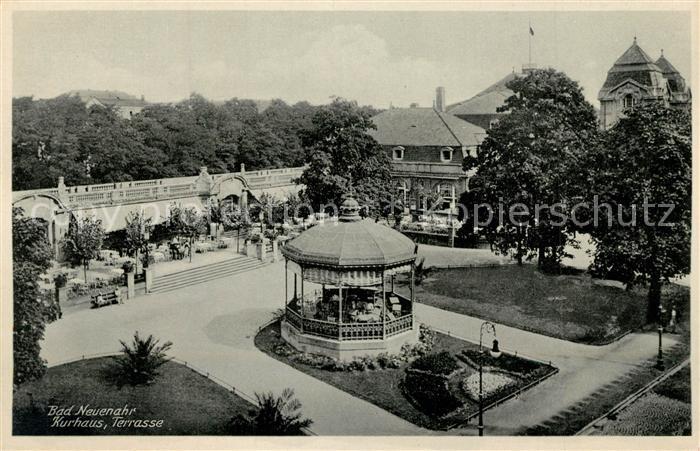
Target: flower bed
{"type": "Point", "coordinates": [493, 384]}
{"type": "Point", "coordinates": [425, 389]}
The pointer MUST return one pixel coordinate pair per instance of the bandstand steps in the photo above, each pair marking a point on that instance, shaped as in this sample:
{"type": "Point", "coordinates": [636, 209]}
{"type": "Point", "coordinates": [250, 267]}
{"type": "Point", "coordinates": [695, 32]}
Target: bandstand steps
{"type": "Point", "coordinates": [188, 277]}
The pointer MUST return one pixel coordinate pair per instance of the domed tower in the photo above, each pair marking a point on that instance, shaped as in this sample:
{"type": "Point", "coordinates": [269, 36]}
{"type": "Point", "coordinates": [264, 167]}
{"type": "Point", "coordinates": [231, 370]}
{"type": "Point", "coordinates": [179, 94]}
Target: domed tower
{"type": "Point", "coordinates": [634, 78]}
{"type": "Point", "coordinates": [679, 93]}
{"type": "Point", "coordinates": [343, 302]}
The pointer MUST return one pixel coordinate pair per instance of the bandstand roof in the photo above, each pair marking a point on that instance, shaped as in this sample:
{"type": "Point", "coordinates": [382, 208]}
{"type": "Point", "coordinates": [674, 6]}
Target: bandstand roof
{"type": "Point", "coordinates": [350, 242]}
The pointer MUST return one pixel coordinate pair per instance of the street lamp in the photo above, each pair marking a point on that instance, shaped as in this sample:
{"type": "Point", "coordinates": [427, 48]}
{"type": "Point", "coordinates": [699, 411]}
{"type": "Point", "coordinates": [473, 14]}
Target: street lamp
{"type": "Point", "coordinates": [147, 237]}
{"type": "Point", "coordinates": [660, 356]}
{"type": "Point", "coordinates": [495, 353]}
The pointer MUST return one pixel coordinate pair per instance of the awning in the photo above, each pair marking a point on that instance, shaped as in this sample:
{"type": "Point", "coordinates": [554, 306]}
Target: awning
{"type": "Point", "coordinates": [345, 277]}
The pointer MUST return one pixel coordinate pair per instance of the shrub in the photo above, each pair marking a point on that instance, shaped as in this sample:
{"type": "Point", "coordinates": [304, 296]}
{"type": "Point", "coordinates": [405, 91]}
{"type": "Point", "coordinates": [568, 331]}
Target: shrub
{"type": "Point", "coordinates": [506, 362]}
{"type": "Point", "coordinates": [383, 360]}
{"type": "Point", "coordinates": [427, 336]}
{"type": "Point", "coordinates": [275, 415]}
{"type": "Point", "coordinates": [440, 363]}
{"type": "Point", "coordinates": [357, 364]}
{"type": "Point", "coordinates": [430, 393]}
{"type": "Point", "coordinates": [139, 362]}
{"type": "Point", "coordinates": [60, 280]}
{"type": "Point", "coordinates": [128, 266]}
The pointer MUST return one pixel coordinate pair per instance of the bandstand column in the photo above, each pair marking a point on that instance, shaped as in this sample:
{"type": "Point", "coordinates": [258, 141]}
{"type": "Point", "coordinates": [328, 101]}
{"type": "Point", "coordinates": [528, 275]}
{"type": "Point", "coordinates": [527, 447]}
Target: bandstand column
{"type": "Point", "coordinates": [340, 311]}
{"type": "Point", "coordinates": [383, 307]}
{"type": "Point", "coordinates": [286, 290]}
{"type": "Point", "coordinates": [412, 282]}
{"type": "Point", "coordinates": [302, 300]}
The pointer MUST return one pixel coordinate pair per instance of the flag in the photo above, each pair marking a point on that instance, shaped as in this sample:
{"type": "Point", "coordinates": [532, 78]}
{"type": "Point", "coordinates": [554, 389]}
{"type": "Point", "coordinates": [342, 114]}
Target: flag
{"type": "Point", "coordinates": [532, 32]}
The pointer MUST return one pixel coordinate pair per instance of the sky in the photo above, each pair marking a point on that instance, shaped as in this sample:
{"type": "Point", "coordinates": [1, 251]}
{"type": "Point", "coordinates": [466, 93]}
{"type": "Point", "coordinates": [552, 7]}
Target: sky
{"type": "Point", "coordinates": [376, 58]}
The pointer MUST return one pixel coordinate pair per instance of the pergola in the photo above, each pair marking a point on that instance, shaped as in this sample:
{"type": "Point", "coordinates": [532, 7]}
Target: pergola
{"type": "Point", "coordinates": [342, 300]}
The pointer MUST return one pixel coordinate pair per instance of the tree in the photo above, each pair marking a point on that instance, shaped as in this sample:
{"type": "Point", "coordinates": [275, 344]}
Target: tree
{"type": "Point", "coordinates": [527, 161]}
{"type": "Point", "coordinates": [275, 415]}
{"type": "Point", "coordinates": [185, 222]}
{"type": "Point", "coordinates": [342, 157]}
{"type": "Point", "coordinates": [139, 362]}
{"type": "Point", "coordinates": [645, 158]}
{"type": "Point", "coordinates": [31, 257]}
{"type": "Point", "coordinates": [83, 241]}
{"type": "Point", "coordinates": [135, 242]}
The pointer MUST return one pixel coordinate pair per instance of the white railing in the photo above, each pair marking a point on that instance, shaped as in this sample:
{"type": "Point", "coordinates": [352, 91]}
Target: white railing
{"type": "Point", "coordinates": [111, 193]}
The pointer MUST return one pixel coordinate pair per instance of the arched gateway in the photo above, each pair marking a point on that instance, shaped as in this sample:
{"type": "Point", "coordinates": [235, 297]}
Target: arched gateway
{"type": "Point", "coordinates": [343, 302]}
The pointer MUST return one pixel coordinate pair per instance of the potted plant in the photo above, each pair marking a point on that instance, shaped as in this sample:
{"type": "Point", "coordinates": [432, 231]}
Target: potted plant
{"type": "Point", "coordinates": [60, 281]}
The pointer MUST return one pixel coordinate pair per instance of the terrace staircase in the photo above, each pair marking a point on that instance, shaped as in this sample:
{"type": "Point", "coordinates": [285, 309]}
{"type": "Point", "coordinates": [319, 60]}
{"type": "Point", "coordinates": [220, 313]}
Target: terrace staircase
{"type": "Point", "coordinates": [205, 273]}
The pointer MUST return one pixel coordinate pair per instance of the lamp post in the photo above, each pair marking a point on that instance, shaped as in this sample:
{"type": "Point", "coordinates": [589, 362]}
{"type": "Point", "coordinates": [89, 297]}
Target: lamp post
{"type": "Point", "coordinates": [495, 353]}
{"type": "Point", "coordinates": [147, 237]}
{"type": "Point", "coordinates": [660, 355]}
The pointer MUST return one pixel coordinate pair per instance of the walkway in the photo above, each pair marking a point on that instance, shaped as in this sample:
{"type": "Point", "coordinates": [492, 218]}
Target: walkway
{"type": "Point", "coordinates": [582, 368]}
{"type": "Point", "coordinates": [212, 326]}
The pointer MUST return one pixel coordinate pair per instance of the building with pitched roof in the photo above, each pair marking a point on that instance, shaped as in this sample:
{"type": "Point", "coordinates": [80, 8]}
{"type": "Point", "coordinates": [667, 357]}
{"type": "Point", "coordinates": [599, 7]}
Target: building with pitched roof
{"type": "Point", "coordinates": [635, 77]}
{"type": "Point", "coordinates": [426, 147]}
{"type": "Point", "coordinates": [125, 105]}
{"type": "Point", "coordinates": [482, 109]}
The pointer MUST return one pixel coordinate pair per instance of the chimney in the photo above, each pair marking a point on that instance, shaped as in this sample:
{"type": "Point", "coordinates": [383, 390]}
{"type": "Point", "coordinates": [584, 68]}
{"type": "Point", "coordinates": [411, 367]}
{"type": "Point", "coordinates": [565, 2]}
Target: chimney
{"type": "Point", "coordinates": [440, 99]}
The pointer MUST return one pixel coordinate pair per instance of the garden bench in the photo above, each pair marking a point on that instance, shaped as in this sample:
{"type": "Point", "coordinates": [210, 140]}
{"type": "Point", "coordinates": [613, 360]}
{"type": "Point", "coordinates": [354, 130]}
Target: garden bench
{"type": "Point", "coordinates": [102, 299]}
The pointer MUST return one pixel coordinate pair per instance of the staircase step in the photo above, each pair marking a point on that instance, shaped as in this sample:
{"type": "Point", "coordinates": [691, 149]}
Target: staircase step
{"type": "Point", "coordinates": [222, 272]}
{"type": "Point", "coordinates": [206, 268]}
{"type": "Point", "coordinates": [206, 273]}
{"type": "Point", "coordinates": [188, 283]}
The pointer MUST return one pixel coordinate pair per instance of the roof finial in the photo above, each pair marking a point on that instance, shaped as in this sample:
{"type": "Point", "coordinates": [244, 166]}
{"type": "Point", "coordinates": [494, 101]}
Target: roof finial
{"type": "Point", "coordinates": [635, 40]}
{"type": "Point", "coordinates": [662, 52]}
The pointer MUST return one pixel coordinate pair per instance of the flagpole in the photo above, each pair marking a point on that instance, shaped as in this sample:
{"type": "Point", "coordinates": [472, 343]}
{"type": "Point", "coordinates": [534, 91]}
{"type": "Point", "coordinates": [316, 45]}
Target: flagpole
{"type": "Point", "coordinates": [529, 44]}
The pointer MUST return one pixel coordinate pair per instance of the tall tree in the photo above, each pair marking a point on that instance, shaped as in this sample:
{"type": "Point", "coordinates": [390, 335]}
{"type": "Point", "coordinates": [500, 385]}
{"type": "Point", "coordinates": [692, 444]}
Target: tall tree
{"type": "Point", "coordinates": [185, 222]}
{"type": "Point", "coordinates": [31, 257]}
{"type": "Point", "coordinates": [645, 158]}
{"type": "Point", "coordinates": [525, 162]}
{"type": "Point", "coordinates": [136, 230]}
{"type": "Point", "coordinates": [83, 241]}
{"type": "Point", "coordinates": [342, 157]}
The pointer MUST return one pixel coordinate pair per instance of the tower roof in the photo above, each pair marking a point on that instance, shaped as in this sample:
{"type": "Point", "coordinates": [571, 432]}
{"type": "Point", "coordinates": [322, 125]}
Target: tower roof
{"type": "Point", "coordinates": [665, 65]}
{"type": "Point", "coordinates": [634, 55]}
{"type": "Point", "coordinates": [634, 64]}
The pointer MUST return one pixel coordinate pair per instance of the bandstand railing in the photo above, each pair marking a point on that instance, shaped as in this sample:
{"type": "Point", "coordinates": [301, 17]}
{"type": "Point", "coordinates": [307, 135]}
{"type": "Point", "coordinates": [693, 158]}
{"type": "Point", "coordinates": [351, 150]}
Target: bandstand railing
{"type": "Point", "coordinates": [349, 331]}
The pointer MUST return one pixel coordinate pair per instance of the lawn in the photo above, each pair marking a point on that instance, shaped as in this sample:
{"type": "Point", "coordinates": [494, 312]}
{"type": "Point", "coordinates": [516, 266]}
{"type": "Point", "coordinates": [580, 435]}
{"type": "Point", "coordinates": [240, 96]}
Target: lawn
{"type": "Point", "coordinates": [652, 414]}
{"type": "Point", "coordinates": [570, 307]}
{"type": "Point", "coordinates": [384, 387]}
{"type": "Point", "coordinates": [187, 402]}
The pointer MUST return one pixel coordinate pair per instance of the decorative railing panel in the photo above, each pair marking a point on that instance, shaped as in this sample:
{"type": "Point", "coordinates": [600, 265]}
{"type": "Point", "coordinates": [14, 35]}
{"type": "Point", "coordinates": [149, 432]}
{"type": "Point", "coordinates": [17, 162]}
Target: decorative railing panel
{"type": "Point", "coordinates": [399, 325]}
{"type": "Point", "coordinates": [320, 328]}
{"type": "Point", "coordinates": [362, 331]}
{"type": "Point", "coordinates": [349, 331]}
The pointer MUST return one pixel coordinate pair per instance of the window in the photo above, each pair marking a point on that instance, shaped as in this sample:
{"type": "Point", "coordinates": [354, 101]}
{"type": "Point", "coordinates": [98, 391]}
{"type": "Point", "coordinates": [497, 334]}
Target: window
{"type": "Point", "coordinates": [493, 123]}
{"type": "Point", "coordinates": [628, 101]}
{"type": "Point", "coordinates": [446, 154]}
{"type": "Point", "coordinates": [397, 153]}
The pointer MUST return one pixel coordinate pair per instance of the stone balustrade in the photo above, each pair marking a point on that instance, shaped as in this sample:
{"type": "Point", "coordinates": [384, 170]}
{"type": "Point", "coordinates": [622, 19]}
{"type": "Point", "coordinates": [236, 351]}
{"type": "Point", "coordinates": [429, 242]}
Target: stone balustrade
{"type": "Point", "coordinates": [160, 189]}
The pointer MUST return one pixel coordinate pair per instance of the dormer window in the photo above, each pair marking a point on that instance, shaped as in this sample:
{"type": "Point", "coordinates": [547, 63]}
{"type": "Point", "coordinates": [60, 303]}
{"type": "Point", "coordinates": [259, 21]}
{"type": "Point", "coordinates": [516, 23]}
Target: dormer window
{"type": "Point", "coordinates": [397, 153]}
{"type": "Point", "coordinates": [446, 154]}
{"type": "Point", "coordinates": [493, 123]}
{"type": "Point", "coordinates": [628, 101]}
